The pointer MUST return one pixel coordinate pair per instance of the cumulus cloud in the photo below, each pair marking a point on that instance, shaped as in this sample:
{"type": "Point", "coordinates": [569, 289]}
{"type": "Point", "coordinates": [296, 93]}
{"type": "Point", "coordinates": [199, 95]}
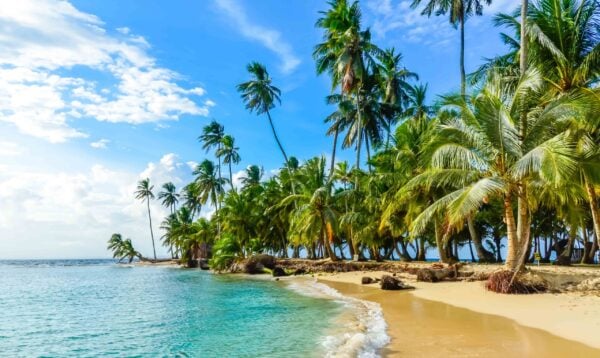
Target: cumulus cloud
{"type": "Point", "coordinates": [397, 17]}
{"type": "Point", "coordinates": [72, 214]}
{"type": "Point", "coordinates": [43, 42]}
{"type": "Point", "coordinates": [100, 144]}
{"type": "Point", "coordinates": [269, 38]}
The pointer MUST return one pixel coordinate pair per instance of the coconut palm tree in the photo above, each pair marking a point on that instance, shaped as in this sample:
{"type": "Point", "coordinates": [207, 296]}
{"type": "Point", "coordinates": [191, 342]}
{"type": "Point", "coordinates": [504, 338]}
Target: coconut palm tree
{"type": "Point", "coordinates": [394, 86]}
{"type": "Point", "coordinates": [253, 176]}
{"type": "Point", "coordinates": [314, 219]}
{"type": "Point", "coordinates": [144, 193]}
{"type": "Point", "coordinates": [230, 154]}
{"type": "Point", "coordinates": [169, 196]}
{"type": "Point", "coordinates": [208, 185]}
{"type": "Point", "coordinates": [191, 198]}
{"type": "Point", "coordinates": [346, 53]}
{"type": "Point", "coordinates": [459, 11]}
{"type": "Point", "coordinates": [260, 96]}
{"type": "Point", "coordinates": [122, 248]}
{"type": "Point", "coordinates": [212, 137]}
{"type": "Point", "coordinates": [480, 154]}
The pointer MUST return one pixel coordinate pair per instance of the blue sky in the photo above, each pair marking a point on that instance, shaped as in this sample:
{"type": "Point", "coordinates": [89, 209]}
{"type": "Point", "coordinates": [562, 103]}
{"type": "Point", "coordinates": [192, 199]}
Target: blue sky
{"type": "Point", "coordinates": [97, 94]}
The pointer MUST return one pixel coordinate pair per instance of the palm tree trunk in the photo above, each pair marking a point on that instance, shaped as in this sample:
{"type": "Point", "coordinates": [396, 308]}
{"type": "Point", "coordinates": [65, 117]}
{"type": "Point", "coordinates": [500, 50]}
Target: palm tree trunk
{"type": "Point", "coordinates": [421, 255]}
{"type": "Point", "coordinates": [565, 256]}
{"type": "Point", "coordinates": [368, 153]}
{"type": "Point", "coordinates": [359, 139]}
{"type": "Point", "coordinates": [230, 176]}
{"type": "Point", "coordinates": [512, 245]}
{"type": "Point", "coordinates": [523, 54]}
{"type": "Point", "coordinates": [151, 232]}
{"type": "Point", "coordinates": [591, 192]}
{"type": "Point", "coordinates": [285, 157]}
{"type": "Point", "coordinates": [440, 237]}
{"type": "Point", "coordinates": [335, 138]}
{"type": "Point", "coordinates": [483, 255]}
{"type": "Point", "coordinates": [463, 81]}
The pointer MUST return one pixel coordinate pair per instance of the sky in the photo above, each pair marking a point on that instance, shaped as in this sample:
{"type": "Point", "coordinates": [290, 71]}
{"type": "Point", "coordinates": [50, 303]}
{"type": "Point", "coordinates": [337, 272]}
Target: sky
{"type": "Point", "coordinates": [96, 95]}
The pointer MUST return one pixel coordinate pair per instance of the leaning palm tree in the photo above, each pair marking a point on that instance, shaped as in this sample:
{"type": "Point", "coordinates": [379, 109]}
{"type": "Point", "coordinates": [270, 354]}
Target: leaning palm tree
{"type": "Point", "coordinates": [122, 248]}
{"type": "Point", "coordinates": [260, 96]}
{"type": "Point", "coordinates": [169, 196]}
{"type": "Point", "coordinates": [144, 193]}
{"type": "Point", "coordinates": [459, 11]}
{"type": "Point", "coordinates": [230, 154]}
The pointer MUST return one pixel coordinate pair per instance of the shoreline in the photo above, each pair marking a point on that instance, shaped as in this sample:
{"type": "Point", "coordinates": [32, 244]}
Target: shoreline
{"type": "Point", "coordinates": [569, 321]}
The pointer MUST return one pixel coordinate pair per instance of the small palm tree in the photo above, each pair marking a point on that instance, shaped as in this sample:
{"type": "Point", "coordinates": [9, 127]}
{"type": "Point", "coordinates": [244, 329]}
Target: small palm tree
{"type": "Point", "coordinates": [230, 154]}
{"type": "Point", "coordinates": [122, 248]}
{"type": "Point", "coordinates": [212, 137]}
{"type": "Point", "coordinates": [144, 193]}
{"type": "Point", "coordinates": [169, 196]}
{"type": "Point", "coordinates": [254, 174]}
{"type": "Point", "coordinates": [208, 186]}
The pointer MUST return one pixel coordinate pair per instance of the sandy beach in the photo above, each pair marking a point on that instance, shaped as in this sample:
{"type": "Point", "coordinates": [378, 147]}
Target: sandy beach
{"type": "Point", "coordinates": [463, 319]}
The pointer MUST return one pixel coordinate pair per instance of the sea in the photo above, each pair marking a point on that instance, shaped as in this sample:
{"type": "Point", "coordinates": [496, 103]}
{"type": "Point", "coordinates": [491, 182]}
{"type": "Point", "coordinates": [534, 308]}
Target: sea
{"type": "Point", "coordinates": [98, 308]}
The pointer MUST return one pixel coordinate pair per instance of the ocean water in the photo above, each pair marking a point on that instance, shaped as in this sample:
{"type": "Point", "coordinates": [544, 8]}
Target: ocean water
{"type": "Point", "coordinates": [96, 308]}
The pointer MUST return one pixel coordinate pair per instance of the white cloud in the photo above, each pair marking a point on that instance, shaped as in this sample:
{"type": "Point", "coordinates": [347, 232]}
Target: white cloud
{"type": "Point", "coordinates": [40, 93]}
{"type": "Point", "coordinates": [269, 38]}
{"type": "Point", "coordinates": [397, 16]}
{"type": "Point", "coordinates": [10, 149]}
{"type": "Point", "coordinates": [100, 144]}
{"type": "Point", "coordinates": [72, 214]}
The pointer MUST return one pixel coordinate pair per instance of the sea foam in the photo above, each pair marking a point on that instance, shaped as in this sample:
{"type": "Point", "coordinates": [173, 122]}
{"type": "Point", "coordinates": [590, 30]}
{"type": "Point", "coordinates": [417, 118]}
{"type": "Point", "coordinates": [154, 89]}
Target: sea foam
{"type": "Point", "coordinates": [360, 331]}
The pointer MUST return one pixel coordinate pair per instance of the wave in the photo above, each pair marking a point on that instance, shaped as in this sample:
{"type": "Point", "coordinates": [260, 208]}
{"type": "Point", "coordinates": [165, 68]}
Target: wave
{"type": "Point", "coordinates": [361, 329]}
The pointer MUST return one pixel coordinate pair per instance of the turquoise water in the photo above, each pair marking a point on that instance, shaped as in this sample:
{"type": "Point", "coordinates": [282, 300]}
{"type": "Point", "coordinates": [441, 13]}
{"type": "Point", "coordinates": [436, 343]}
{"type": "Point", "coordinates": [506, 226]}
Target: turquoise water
{"type": "Point", "coordinates": [95, 308]}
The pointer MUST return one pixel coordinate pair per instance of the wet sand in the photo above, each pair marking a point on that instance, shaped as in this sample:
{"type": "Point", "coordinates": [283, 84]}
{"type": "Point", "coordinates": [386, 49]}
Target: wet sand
{"type": "Point", "coordinates": [423, 328]}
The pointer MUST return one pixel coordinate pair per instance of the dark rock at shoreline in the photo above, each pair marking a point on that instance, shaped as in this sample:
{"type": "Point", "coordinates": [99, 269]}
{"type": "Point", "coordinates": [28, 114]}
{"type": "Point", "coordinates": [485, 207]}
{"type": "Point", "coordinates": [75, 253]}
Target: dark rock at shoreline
{"type": "Point", "coordinates": [367, 280]}
{"type": "Point", "coordinates": [438, 272]}
{"type": "Point", "coordinates": [299, 271]}
{"type": "Point", "coordinates": [278, 271]}
{"type": "Point", "coordinates": [204, 264]}
{"type": "Point", "coordinates": [392, 283]}
{"type": "Point", "coordinates": [257, 263]}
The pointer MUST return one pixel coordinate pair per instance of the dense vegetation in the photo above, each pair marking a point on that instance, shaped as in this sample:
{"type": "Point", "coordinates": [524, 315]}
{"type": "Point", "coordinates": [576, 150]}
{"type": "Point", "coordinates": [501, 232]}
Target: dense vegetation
{"type": "Point", "coordinates": [512, 161]}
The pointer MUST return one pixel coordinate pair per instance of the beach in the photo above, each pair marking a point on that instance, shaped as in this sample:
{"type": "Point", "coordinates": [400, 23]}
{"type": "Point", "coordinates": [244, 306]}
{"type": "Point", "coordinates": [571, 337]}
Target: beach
{"type": "Point", "coordinates": [463, 319]}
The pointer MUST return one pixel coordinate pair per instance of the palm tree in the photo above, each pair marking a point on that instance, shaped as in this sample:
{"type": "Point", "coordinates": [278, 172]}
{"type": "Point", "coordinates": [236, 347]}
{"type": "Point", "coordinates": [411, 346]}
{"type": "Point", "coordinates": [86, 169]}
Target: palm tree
{"type": "Point", "coordinates": [459, 11]}
{"type": "Point", "coordinates": [314, 216]}
{"type": "Point", "coordinates": [169, 196]}
{"type": "Point", "coordinates": [122, 248]}
{"type": "Point", "coordinates": [253, 176]}
{"type": "Point", "coordinates": [346, 54]}
{"type": "Point", "coordinates": [144, 193]}
{"type": "Point", "coordinates": [260, 96]}
{"type": "Point", "coordinates": [479, 153]}
{"type": "Point", "coordinates": [230, 154]}
{"type": "Point", "coordinates": [191, 198]}
{"type": "Point", "coordinates": [207, 184]}
{"type": "Point", "coordinates": [212, 136]}
{"type": "Point", "coordinates": [395, 90]}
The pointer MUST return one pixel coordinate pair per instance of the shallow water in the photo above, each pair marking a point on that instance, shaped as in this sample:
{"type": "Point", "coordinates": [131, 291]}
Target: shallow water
{"type": "Point", "coordinates": [423, 328]}
{"type": "Point", "coordinates": [101, 309]}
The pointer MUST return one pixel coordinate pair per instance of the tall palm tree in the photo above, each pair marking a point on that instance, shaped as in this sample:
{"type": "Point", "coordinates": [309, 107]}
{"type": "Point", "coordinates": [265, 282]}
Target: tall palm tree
{"type": "Point", "coordinates": [191, 198]}
{"type": "Point", "coordinates": [212, 137]}
{"type": "Point", "coordinates": [169, 196]}
{"type": "Point", "coordinates": [346, 53]}
{"type": "Point", "coordinates": [260, 95]}
{"type": "Point", "coordinates": [458, 11]}
{"type": "Point", "coordinates": [230, 154]}
{"type": "Point", "coordinates": [144, 193]}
